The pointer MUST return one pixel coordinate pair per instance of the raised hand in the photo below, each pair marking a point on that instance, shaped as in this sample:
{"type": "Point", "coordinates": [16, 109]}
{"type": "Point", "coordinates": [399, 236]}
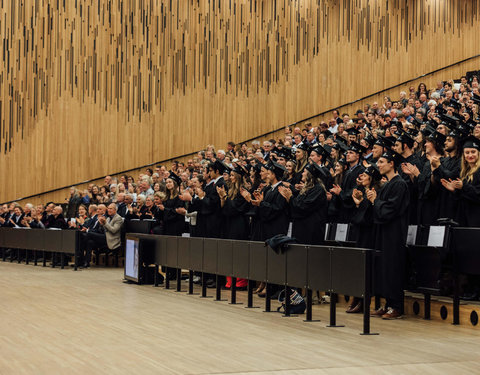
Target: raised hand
{"type": "Point", "coordinates": [336, 189]}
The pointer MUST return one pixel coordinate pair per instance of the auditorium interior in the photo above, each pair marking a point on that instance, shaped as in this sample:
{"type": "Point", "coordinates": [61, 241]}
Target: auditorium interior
{"type": "Point", "coordinates": [240, 187]}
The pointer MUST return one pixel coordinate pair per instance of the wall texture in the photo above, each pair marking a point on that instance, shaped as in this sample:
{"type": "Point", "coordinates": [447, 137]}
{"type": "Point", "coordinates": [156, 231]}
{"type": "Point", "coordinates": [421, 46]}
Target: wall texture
{"type": "Point", "coordinates": [91, 87]}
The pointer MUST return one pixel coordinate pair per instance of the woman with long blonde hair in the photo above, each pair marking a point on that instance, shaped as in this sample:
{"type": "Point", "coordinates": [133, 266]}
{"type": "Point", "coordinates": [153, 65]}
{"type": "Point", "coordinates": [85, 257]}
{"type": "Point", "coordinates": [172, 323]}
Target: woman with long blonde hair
{"type": "Point", "coordinates": [467, 187]}
{"type": "Point", "coordinates": [301, 157]}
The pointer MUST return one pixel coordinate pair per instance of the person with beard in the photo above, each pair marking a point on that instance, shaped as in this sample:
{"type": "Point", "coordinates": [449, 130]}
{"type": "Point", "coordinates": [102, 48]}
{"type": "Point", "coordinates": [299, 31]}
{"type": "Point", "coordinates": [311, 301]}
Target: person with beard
{"type": "Point", "coordinates": [362, 219]}
{"type": "Point", "coordinates": [308, 206]}
{"type": "Point", "coordinates": [344, 192]}
{"type": "Point", "coordinates": [405, 145]}
{"type": "Point", "coordinates": [390, 217]}
{"type": "Point", "coordinates": [467, 187]}
{"type": "Point", "coordinates": [234, 209]}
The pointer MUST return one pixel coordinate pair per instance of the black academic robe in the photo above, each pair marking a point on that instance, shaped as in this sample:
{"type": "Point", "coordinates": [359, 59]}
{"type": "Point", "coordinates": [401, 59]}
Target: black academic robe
{"type": "Point", "coordinates": [390, 215]}
{"type": "Point", "coordinates": [173, 222]}
{"type": "Point", "coordinates": [348, 184]}
{"type": "Point", "coordinates": [412, 188]}
{"type": "Point", "coordinates": [429, 197]}
{"type": "Point", "coordinates": [236, 222]}
{"type": "Point", "coordinates": [469, 201]}
{"type": "Point", "coordinates": [449, 168]}
{"type": "Point", "coordinates": [362, 220]}
{"type": "Point", "coordinates": [211, 211]}
{"type": "Point", "coordinates": [309, 214]}
{"type": "Point", "coordinates": [255, 222]}
{"type": "Point", "coordinates": [273, 214]}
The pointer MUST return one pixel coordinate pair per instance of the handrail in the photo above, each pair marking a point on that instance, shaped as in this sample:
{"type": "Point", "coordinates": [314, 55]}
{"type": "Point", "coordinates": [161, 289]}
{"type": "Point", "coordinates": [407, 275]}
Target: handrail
{"type": "Point", "coordinates": [258, 136]}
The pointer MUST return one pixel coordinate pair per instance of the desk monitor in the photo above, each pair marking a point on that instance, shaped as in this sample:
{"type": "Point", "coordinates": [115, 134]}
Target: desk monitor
{"type": "Point", "coordinates": [132, 259]}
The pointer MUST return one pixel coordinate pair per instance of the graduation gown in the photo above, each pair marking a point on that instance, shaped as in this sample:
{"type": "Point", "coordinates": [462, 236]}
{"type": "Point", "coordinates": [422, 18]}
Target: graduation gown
{"type": "Point", "coordinates": [273, 214]}
{"type": "Point", "coordinates": [255, 222]}
{"type": "Point", "coordinates": [429, 197]}
{"type": "Point", "coordinates": [412, 188]}
{"type": "Point", "coordinates": [469, 201]}
{"type": "Point", "coordinates": [236, 222]}
{"type": "Point", "coordinates": [390, 215]}
{"type": "Point", "coordinates": [173, 223]}
{"type": "Point", "coordinates": [309, 214]}
{"type": "Point", "coordinates": [362, 220]}
{"type": "Point", "coordinates": [211, 210]}
{"type": "Point", "coordinates": [449, 168]}
{"type": "Point", "coordinates": [348, 184]}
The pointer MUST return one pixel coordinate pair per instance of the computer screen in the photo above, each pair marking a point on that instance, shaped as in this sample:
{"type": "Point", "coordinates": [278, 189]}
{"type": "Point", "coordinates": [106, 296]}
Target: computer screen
{"type": "Point", "coordinates": [132, 259]}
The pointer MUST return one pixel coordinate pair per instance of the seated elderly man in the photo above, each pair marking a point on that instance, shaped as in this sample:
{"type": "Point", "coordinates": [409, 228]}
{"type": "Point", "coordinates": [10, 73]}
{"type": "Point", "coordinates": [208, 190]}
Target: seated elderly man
{"type": "Point", "coordinates": [111, 236]}
{"type": "Point", "coordinates": [57, 220]}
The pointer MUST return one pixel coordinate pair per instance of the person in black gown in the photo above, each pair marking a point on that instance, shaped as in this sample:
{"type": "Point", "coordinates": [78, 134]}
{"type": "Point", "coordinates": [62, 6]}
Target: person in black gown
{"type": "Point", "coordinates": [467, 187]}
{"type": "Point", "coordinates": [363, 218]}
{"type": "Point", "coordinates": [308, 206]}
{"type": "Point", "coordinates": [173, 208]}
{"type": "Point", "coordinates": [390, 216]}
{"type": "Point", "coordinates": [234, 209]}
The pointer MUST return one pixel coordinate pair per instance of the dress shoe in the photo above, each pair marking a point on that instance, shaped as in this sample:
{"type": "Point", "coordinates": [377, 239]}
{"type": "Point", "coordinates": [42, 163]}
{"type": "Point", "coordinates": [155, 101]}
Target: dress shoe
{"type": "Point", "coordinates": [355, 309]}
{"type": "Point", "coordinates": [392, 314]}
{"type": "Point", "coordinates": [380, 312]}
{"type": "Point", "coordinates": [241, 288]}
{"type": "Point", "coordinates": [211, 284]}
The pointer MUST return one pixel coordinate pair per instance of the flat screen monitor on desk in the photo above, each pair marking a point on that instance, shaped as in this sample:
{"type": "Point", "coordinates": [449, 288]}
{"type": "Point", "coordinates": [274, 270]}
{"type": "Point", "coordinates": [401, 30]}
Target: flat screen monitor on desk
{"type": "Point", "coordinates": [132, 259]}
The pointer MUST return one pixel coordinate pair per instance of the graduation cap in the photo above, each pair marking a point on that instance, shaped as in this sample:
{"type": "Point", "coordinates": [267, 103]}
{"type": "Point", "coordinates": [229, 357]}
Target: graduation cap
{"type": "Point", "coordinates": [220, 166]}
{"type": "Point", "coordinates": [240, 170]}
{"type": "Point", "coordinates": [340, 146]}
{"type": "Point", "coordinates": [385, 142]}
{"type": "Point", "coordinates": [316, 171]}
{"type": "Point", "coordinates": [394, 156]}
{"type": "Point", "coordinates": [173, 176]}
{"type": "Point", "coordinates": [327, 133]}
{"type": "Point", "coordinates": [437, 138]}
{"type": "Point", "coordinates": [405, 139]}
{"type": "Point", "coordinates": [357, 147]}
{"type": "Point", "coordinates": [370, 140]}
{"type": "Point", "coordinates": [416, 123]}
{"type": "Point", "coordinates": [373, 172]}
{"type": "Point", "coordinates": [472, 142]}
{"type": "Point", "coordinates": [304, 147]}
{"type": "Point", "coordinates": [413, 132]}
{"type": "Point", "coordinates": [449, 119]}
{"type": "Point", "coordinates": [455, 104]}
{"type": "Point", "coordinates": [476, 99]}
{"type": "Point", "coordinates": [276, 168]}
{"type": "Point", "coordinates": [428, 130]}
{"type": "Point", "coordinates": [343, 161]}
{"type": "Point", "coordinates": [353, 131]}
{"type": "Point", "coordinates": [282, 153]}
{"type": "Point", "coordinates": [320, 150]}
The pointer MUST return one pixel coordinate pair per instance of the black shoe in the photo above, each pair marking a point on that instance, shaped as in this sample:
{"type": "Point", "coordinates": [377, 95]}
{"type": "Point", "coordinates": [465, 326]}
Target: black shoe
{"type": "Point", "coordinates": [241, 288]}
{"type": "Point", "coordinates": [85, 265]}
{"type": "Point", "coordinates": [211, 284]}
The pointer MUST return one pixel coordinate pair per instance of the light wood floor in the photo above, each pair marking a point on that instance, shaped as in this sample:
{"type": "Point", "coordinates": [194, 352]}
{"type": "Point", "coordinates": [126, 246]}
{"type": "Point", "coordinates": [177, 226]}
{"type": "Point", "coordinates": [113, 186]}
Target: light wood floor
{"type": "Point", "coordinates": [56, 321]}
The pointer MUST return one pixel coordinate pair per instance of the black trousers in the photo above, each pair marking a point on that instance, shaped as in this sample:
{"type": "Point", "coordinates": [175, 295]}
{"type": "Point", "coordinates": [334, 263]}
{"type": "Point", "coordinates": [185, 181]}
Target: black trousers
{"type": "Point", "coordinates": [94, 241]}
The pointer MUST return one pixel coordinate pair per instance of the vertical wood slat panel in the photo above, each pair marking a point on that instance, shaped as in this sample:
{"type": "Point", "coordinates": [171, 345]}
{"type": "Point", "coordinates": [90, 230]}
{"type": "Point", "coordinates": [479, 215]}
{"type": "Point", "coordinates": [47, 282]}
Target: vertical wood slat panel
{"type": "Point", "coordinates": [93, 87]}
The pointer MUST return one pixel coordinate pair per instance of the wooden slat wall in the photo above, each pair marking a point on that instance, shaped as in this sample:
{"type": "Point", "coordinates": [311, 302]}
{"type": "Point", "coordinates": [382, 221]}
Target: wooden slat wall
{"type": "Point", "coordinates": [90, 87]}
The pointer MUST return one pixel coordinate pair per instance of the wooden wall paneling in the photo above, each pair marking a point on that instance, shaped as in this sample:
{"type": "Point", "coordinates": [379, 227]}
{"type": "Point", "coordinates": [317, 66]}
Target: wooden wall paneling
{"type": "Point", "coordinates": [89, 88]}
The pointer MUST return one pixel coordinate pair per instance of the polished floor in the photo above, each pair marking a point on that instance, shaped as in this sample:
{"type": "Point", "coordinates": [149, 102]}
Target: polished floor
{"type": "Point", "coordinates": [56, 321]}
